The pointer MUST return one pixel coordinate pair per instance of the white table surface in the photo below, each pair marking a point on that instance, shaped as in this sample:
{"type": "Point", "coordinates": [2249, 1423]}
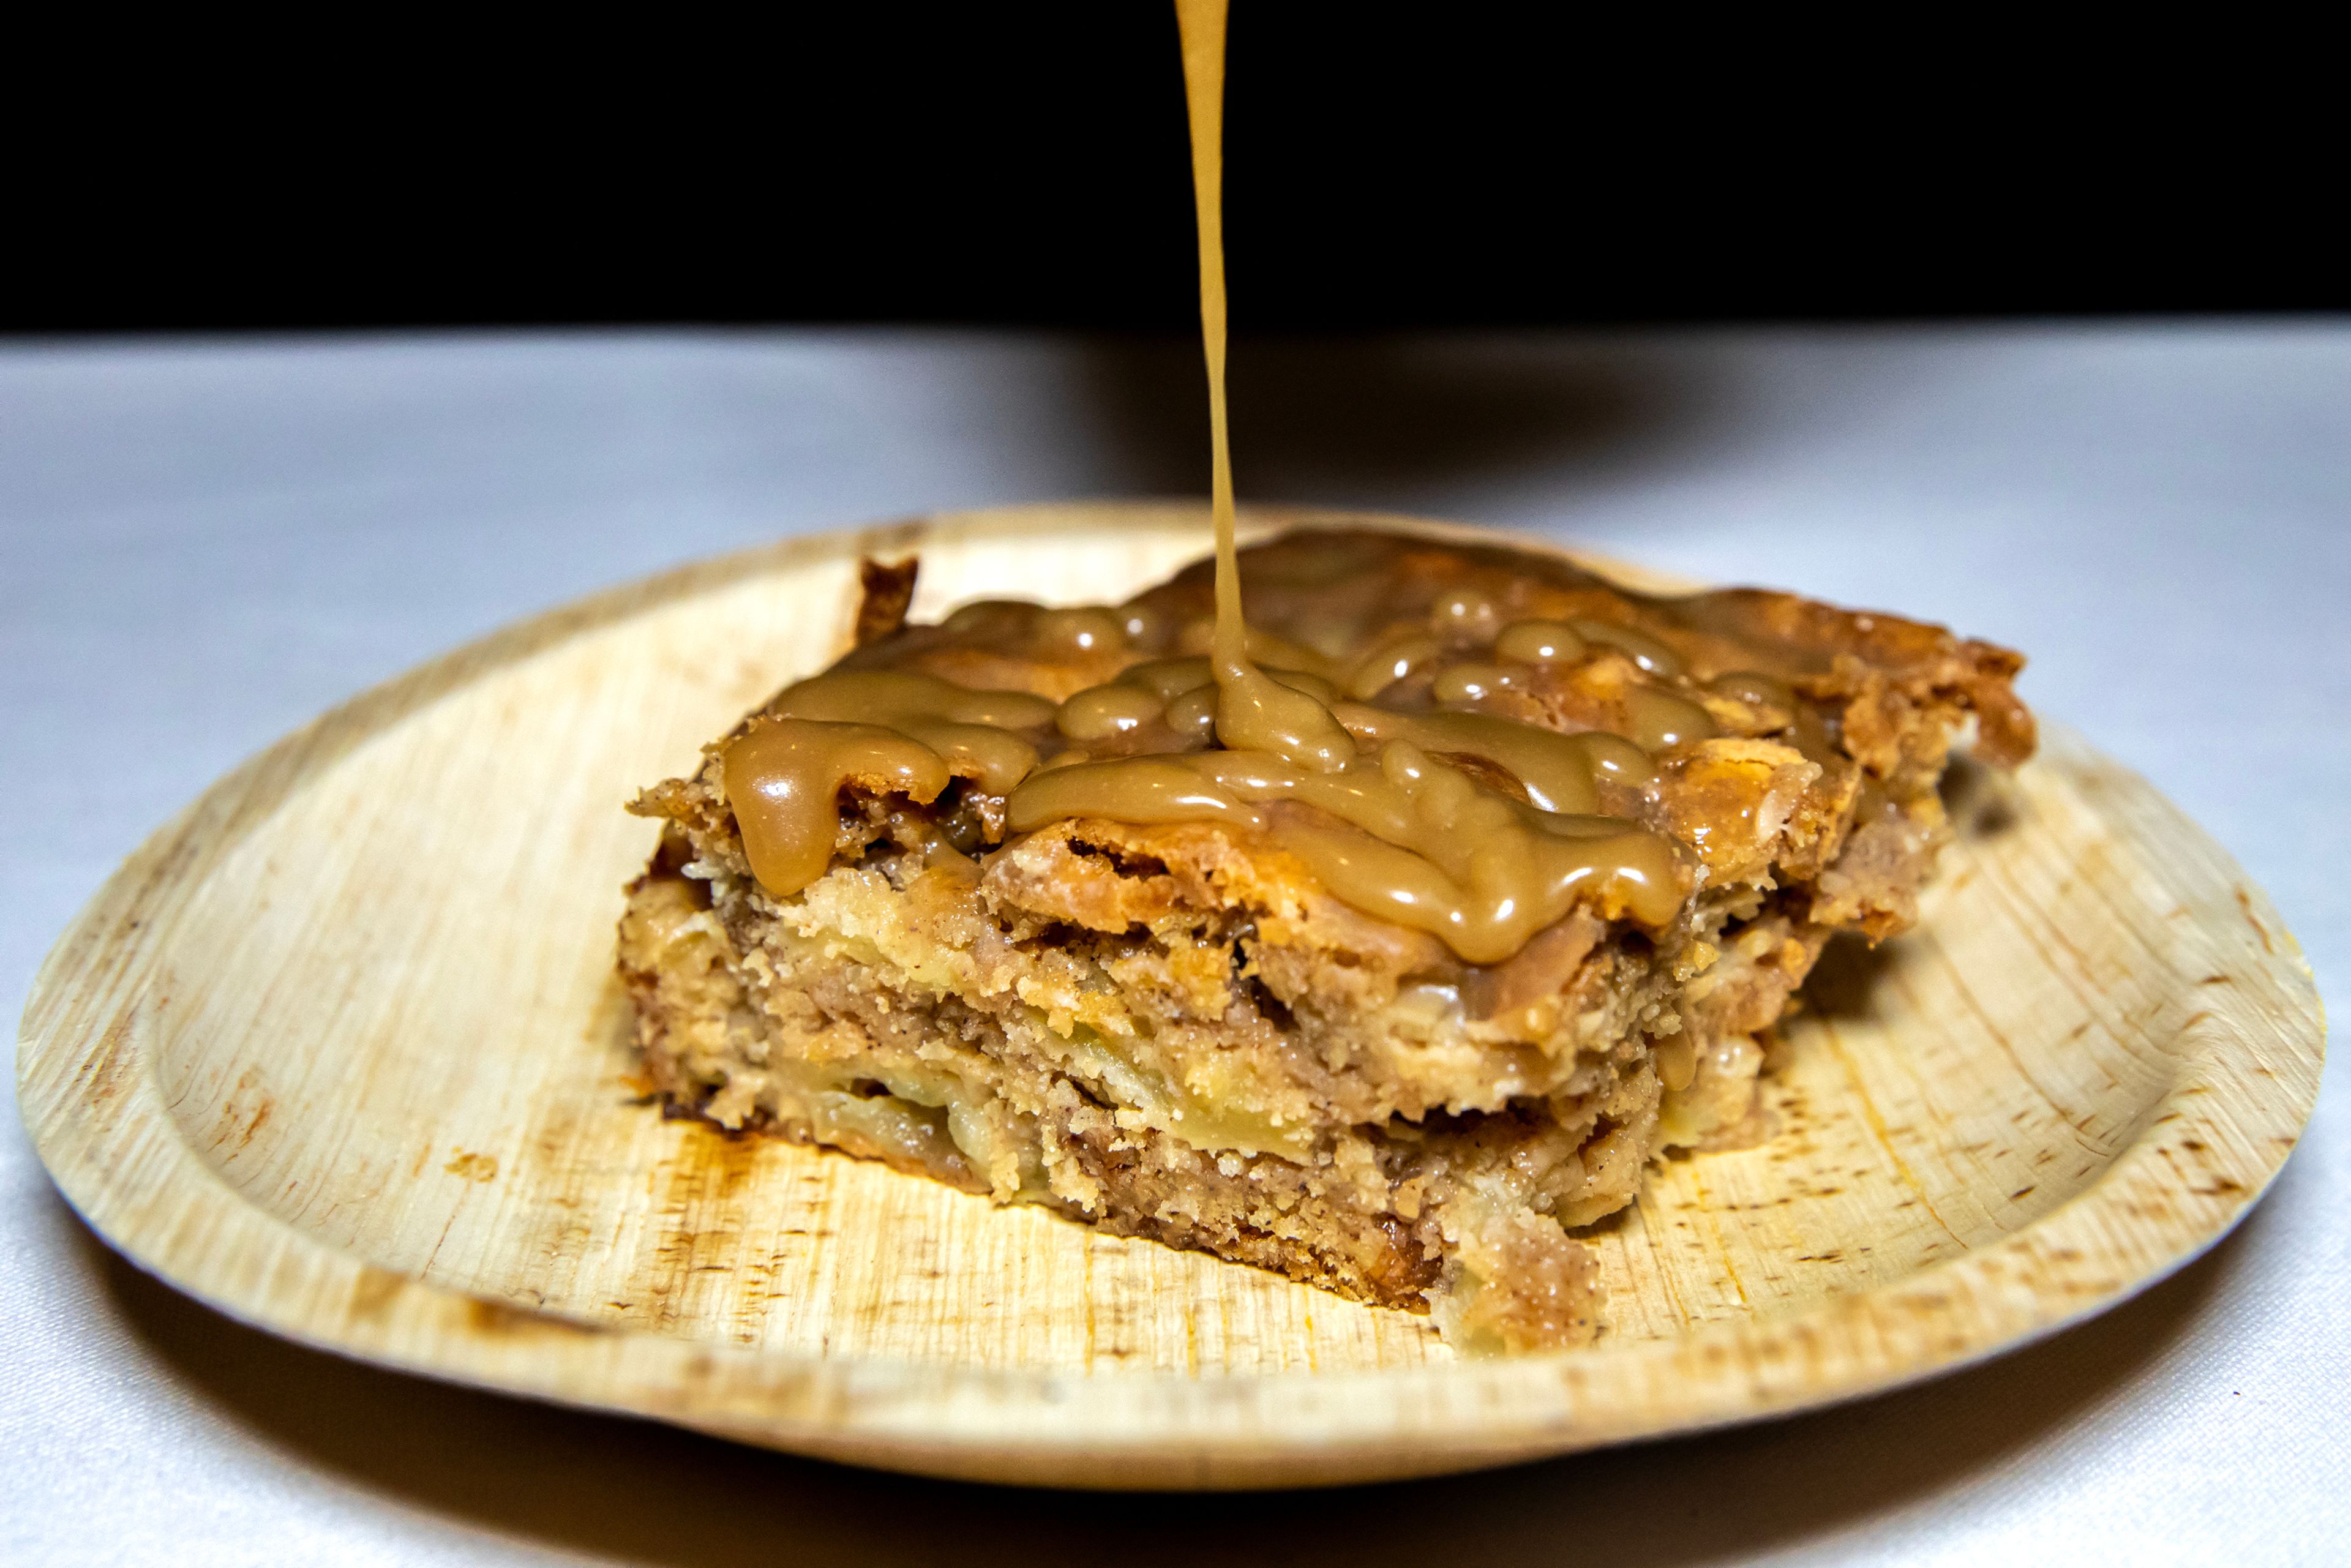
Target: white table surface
{"type": "Point", "coordinates": [202, 545]}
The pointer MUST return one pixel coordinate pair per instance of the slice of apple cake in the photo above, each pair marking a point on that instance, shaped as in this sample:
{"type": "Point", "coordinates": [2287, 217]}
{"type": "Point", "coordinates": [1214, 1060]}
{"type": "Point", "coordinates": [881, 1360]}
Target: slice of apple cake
{"type": "Point", "coordinates": [990, 900]}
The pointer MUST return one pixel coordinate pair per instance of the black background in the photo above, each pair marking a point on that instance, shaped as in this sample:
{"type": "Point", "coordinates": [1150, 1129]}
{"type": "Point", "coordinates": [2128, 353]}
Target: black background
{"type": "Point", "coordinates": [1390, 167]}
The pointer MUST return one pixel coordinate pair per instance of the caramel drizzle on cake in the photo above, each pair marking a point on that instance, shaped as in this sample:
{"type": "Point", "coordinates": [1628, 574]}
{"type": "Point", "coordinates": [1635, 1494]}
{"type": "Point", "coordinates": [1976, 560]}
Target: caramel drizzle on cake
{"type": "Point", "coordinates": [1481, 854]}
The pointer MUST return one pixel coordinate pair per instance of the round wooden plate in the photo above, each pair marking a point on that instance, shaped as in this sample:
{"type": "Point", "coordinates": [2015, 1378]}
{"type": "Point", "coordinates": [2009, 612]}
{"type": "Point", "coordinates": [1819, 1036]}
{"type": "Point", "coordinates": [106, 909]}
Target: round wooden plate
{"type": "Point", "coordinates": [338, 1051]}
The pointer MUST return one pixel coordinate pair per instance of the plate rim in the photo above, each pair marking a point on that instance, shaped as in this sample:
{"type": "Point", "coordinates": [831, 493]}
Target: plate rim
{"type": "Point", "coordinates": [94, 1113]}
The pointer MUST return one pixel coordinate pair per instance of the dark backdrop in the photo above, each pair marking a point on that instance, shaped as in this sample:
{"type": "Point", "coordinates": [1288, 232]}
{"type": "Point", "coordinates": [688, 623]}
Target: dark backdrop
{"type": "Point", "coordinates": [1390, 167]}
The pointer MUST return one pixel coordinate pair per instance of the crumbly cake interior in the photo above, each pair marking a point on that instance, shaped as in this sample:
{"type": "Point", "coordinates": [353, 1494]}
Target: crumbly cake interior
{"type": "Point", "coordinates": [1176, 1028]}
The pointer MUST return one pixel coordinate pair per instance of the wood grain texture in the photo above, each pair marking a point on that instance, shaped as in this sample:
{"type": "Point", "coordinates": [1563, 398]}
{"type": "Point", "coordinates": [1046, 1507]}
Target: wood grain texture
{"type": "Point", "coordinates": [338, 1052]}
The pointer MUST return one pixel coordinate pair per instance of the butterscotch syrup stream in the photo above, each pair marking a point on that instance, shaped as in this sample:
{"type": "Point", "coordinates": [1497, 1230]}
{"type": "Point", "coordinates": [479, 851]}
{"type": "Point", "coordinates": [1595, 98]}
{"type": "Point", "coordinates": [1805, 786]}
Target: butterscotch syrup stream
{"type": "Point", "coordinates": [1356, 791]}
{"type": "Point", "coordinates": [1253, 711]}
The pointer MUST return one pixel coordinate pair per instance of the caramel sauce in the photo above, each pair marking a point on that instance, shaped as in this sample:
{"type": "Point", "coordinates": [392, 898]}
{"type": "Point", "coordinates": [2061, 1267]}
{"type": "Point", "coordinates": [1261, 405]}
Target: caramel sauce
{"type": "Point", "coordinates": [892, 731]}
{"type": "Point", "coordinates": [783, 782]}
{"type": "Point", "coordinates": [973, 731]}
{"type": "Point", "coordinates": [1254, 713]}
{"type": "Point", "coordinates": [1404, 801]}
{"type": "Point", "coordinates": [1403, 837]}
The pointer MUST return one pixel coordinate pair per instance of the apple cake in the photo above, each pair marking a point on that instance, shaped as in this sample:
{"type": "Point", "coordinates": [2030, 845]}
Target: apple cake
{"type": "Point", "coordinates": [991, 902]}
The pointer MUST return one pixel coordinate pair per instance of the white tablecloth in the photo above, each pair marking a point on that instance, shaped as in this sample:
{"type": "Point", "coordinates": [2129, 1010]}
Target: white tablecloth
{"type": "Point", "coordinates": [202, 545]}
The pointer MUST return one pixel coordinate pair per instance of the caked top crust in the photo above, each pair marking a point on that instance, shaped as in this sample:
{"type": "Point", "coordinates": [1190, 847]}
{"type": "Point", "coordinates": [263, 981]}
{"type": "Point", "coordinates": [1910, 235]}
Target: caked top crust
{"type": "Point", "coordinates": [1347, 590]}
{"type": "Point", "coordinates": [1527, 739]}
